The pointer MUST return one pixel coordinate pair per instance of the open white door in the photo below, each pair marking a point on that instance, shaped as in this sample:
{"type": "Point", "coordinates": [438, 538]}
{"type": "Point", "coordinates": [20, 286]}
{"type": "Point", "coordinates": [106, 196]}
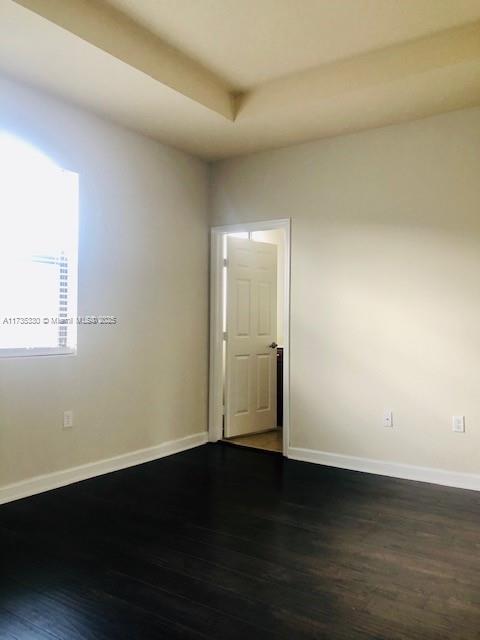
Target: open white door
{"type": "Point", "coordinates": [251, 349]}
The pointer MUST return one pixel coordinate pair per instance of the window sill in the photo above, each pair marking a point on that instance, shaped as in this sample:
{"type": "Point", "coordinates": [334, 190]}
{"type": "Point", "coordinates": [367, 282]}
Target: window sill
{"type": "Point", "coordinates": [37, 352]}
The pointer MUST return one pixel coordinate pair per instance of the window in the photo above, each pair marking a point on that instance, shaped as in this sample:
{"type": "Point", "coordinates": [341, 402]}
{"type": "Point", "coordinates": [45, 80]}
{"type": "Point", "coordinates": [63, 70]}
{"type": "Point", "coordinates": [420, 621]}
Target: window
{"type": "Point", "coordinates": [38, 252]}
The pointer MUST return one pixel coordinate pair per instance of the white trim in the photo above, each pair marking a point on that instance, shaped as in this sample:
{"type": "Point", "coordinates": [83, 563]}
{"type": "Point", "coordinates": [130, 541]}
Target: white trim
{"type": "Point", "coordinates": [49, 481]}
{"type": "Point", "coordinates": [31, 352]}
{"type": "Point", "coordinates": [215, 413]}
{"type": "Point", "coordinates": [248, 227]}
{"type": "Point", "coordinates": [215, 395]}
{"type": "Point", "coordinates": [392, 469]}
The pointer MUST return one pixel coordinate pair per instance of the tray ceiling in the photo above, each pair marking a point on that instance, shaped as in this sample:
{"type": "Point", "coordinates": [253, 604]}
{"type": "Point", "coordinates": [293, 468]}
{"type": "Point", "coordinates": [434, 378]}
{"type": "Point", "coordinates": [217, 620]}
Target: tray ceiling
{"type": "Point", "coordinates": [221, 77]}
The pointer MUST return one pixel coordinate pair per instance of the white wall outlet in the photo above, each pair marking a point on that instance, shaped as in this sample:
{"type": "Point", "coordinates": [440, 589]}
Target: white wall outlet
{"type": "Point", "coordinates": [67, 419]}
{"type": "Point", "coordinates": [458, 424]}
{"type": "Point", "coordinates": [388, 419]}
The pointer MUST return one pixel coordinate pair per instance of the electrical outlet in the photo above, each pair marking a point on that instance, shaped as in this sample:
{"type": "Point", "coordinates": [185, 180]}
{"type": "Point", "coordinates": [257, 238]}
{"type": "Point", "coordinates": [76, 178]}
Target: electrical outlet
{"type": "Point", "coordinates": [388, 419]}
{"type": "Point", "coordinates": [458, 424]}
{"type": "Point", "coordinates": [67, 419]}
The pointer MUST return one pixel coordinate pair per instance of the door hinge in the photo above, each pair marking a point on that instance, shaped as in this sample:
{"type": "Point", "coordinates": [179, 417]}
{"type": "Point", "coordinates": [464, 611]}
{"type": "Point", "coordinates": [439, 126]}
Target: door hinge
{"type": "Point", "coordinates": [225, 336]}
{"type": "Point", "coordinates": [225, 262]}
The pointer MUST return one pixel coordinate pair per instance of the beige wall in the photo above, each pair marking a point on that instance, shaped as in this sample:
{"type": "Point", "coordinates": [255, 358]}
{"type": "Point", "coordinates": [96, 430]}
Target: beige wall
{"type": "Point", "coordinates": [385, 287]}
{"type": "Point", "coordinates": [143, 258]}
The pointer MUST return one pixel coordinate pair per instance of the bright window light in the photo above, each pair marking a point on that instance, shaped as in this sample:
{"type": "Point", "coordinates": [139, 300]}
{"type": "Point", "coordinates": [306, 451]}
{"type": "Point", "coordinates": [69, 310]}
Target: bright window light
{"type": "Point", "coordinates": [38, 252]}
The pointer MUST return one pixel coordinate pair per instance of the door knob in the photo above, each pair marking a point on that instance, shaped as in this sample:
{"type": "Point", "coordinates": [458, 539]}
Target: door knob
{"type": "Point", "coordinates": [273, 345]}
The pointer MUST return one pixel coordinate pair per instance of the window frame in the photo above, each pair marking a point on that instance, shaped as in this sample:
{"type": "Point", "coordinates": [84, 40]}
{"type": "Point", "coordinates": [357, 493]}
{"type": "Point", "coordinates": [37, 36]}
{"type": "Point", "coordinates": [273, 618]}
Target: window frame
{"type": "Point", "coordinates": [27, 352]}
{"type": "Point", "coordinates": [65, 298]}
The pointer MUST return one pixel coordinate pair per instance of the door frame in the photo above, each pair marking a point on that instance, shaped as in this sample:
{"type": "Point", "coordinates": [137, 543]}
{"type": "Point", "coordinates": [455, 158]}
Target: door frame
{"type": "Point", "coordinates": [215, 403]}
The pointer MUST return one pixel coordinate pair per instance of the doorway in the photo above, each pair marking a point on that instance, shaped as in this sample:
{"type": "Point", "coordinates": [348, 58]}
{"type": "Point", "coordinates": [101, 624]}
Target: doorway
{"type": "Point", "coordinates": [249, 328]}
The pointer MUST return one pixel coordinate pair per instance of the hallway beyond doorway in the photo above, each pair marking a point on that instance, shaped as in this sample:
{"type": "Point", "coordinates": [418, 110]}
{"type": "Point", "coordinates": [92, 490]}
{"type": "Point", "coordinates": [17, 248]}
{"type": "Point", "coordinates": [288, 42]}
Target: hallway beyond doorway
{"type": "Point", "coordinates": [268, 440]}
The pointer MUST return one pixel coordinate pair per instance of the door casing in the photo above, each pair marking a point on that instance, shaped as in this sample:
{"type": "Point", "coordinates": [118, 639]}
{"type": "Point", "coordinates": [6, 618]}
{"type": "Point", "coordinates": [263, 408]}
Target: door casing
{"type": "Point", "coordinates": [215, 417]}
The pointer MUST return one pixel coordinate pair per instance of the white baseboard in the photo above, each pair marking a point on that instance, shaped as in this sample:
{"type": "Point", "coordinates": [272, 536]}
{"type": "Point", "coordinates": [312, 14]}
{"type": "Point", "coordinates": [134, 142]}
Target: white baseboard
{"type": "Point", "coordinates": [392, 469]}
{"type": "Point", "coordinates": [49, 481]}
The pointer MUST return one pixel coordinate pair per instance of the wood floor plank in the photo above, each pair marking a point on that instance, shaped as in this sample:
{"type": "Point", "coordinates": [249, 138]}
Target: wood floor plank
{"type": "Point", "coordinates": [225, 542]}
{"type": "Point", "coordinates": [13, 627]}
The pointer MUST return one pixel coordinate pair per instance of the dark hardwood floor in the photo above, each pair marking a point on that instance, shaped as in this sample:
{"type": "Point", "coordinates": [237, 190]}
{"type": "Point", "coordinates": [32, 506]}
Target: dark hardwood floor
{"type": "Point", "coordinates": [228, 543]}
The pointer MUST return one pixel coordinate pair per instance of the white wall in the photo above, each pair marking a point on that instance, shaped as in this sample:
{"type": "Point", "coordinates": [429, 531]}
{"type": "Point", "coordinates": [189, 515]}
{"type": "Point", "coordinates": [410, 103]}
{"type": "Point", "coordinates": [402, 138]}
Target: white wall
{"type": "Point", "coordinates": [143, 258]}
{"type": "Point", "coordinates": [384, 286]}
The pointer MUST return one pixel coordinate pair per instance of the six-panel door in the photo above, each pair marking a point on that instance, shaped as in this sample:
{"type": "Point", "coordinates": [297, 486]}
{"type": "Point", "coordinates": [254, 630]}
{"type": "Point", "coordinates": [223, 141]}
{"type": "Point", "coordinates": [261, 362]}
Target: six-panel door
{"type": "Point", "coordinates": [250, 363]}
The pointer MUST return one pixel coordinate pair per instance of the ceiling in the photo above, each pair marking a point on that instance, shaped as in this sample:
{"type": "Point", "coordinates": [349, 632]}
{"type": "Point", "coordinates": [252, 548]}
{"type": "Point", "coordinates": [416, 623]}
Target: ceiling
{"type": "Point", "coordinates": [249, 42]}
{"type": "Point", "coordinates": [225, 77]}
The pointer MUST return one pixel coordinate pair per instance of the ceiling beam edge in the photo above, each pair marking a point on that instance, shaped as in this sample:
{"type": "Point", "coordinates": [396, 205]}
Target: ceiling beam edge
{"type": "Point", "coordinates": [380, 67]}
{"type": "Point", "coordinates": [114, 33]}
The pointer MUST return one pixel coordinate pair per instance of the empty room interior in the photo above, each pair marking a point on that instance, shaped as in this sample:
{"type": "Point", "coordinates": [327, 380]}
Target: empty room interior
{"type": "Point", "coordinates": [239, 319]}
